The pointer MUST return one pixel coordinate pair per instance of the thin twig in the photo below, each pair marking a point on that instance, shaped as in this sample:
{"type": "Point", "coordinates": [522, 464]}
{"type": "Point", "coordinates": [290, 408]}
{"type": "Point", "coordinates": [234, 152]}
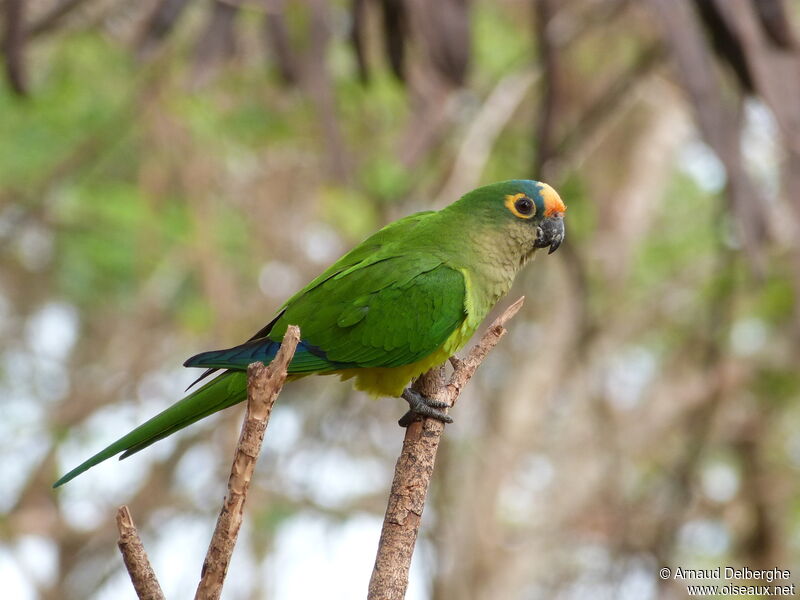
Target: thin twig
{"type": "Point", "coordinates": [414, 468]}
{"type": "Point", "coordinates": [136, 562]}
{"type": "Point", "coordinates": [263, 386]}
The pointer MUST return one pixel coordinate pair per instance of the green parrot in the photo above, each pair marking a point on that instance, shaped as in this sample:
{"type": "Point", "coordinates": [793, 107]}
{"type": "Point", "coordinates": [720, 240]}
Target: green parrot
{"type": "Point", "coordinates": [401, 302]}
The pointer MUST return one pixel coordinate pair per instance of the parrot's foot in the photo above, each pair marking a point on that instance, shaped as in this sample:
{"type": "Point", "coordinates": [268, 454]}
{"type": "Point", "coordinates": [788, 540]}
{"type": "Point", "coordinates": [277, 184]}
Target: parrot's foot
{"type": "Point", "coordinates": [422, 406]}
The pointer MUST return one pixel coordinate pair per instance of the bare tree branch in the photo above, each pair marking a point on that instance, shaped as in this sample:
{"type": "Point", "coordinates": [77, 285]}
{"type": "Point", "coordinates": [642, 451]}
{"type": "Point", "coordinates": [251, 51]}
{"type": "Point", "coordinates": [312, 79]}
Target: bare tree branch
{"type": "Point", "coordinates": [13, 45]}
{"type": "Point", "coordinates": [414, 468]}
{"type": "Point", "coordinates": [263, 386]}
{"type": "Point", "coordinates": [136, 562]}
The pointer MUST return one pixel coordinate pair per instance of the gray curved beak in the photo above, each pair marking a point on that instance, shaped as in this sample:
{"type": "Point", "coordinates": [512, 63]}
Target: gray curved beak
{"type": "Point", "coordinates": [551, 233]}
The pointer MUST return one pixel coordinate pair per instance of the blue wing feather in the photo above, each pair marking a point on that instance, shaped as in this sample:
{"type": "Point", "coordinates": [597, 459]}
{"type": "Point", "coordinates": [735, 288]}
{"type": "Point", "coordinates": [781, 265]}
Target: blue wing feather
{"type": "Point", "coordinates": [307, 359]}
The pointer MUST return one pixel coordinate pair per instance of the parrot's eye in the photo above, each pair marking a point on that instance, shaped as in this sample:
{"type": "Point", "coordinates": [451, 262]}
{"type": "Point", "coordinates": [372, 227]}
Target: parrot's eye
{"type": "Point", "coordinates": [524, 205]}
{"type": "Point", "coordinates": [520, 206]}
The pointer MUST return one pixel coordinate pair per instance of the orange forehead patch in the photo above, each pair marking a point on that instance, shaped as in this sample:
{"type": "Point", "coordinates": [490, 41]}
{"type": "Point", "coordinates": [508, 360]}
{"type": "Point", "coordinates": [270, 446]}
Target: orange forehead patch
{"type": "Point", "coordinates": [553, 205]}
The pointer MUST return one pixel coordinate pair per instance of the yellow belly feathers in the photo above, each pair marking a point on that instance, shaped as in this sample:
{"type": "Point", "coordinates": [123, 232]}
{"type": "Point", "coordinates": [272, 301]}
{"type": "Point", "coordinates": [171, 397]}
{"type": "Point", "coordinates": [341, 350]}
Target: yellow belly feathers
{"type": "Point", "coordinates": [391, 381]}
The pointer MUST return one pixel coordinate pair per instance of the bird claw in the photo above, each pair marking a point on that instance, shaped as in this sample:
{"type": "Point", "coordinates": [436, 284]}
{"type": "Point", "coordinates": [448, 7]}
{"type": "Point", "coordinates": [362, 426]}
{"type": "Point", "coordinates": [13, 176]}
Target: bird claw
{"type": "Point", "coordinates": [421, 407]}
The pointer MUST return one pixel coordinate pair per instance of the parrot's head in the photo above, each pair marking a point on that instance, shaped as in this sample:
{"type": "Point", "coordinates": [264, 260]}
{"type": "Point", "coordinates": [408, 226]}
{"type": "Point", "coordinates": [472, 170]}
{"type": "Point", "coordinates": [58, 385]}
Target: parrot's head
{"type": "Point", "coordinates": [530, 214]}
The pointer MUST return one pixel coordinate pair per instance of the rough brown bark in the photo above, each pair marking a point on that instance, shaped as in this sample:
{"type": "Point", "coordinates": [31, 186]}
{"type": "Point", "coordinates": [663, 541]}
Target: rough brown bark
{"type": "Point", "coordinates": [142, 575]}
{"type": "Point", "coordinates": [264, 383]}
{"type": "Point", "coordinates": [414, 468]}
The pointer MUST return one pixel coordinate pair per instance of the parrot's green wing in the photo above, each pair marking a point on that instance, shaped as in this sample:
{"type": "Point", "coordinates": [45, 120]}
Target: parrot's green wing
{"type": "Point", "coordinates": [379, 305]}
{"type": "Point", "coordinates": [387, 313]}
{"type": "Point", "coordinates": [375, 248]}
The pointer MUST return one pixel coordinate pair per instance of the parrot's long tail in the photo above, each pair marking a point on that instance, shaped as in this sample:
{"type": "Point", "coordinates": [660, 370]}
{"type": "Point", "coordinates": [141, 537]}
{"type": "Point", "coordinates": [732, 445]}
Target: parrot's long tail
{"type": "Point", "coordinates": [224, 391]}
